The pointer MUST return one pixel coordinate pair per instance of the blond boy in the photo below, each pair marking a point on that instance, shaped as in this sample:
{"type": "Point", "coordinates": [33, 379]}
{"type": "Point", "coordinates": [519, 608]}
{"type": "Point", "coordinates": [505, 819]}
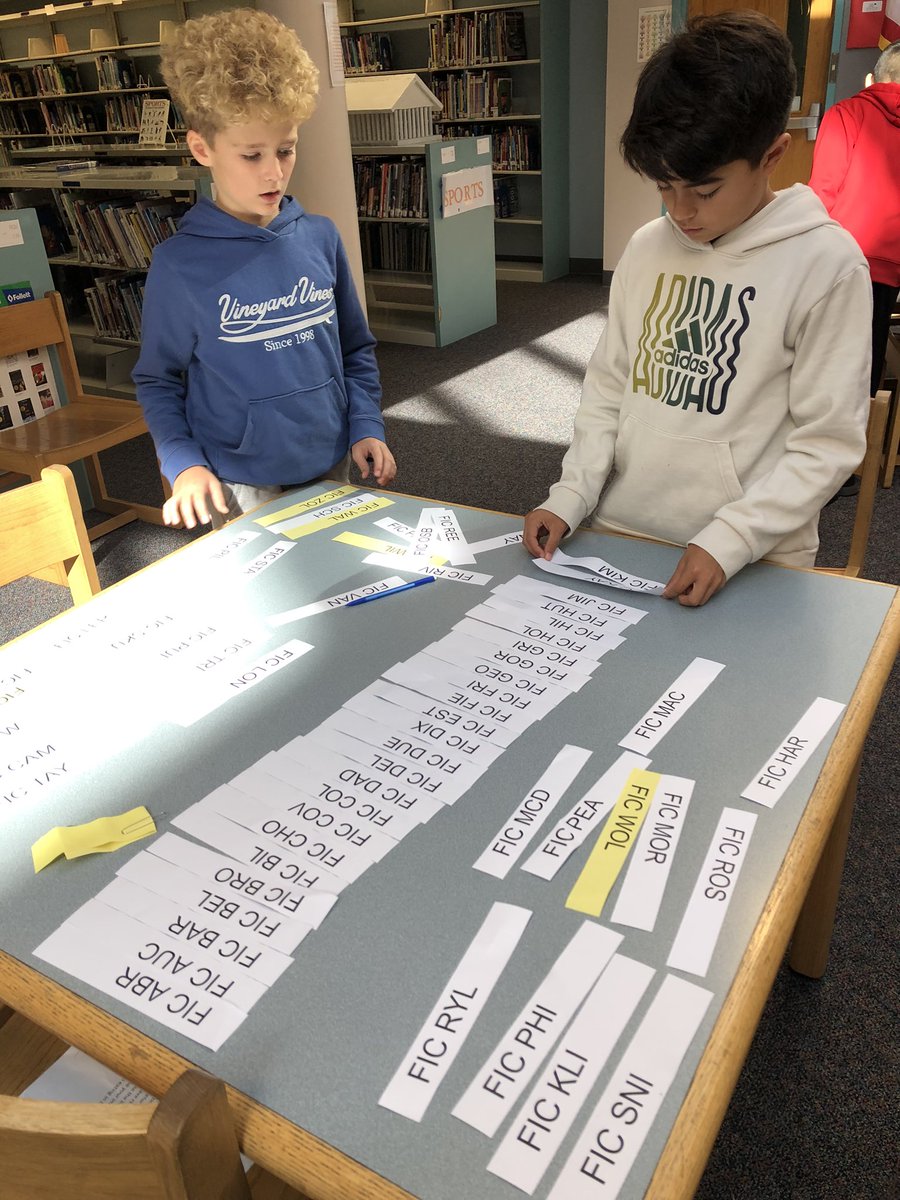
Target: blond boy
{"type": "Point", "coordinates": [257, 369]}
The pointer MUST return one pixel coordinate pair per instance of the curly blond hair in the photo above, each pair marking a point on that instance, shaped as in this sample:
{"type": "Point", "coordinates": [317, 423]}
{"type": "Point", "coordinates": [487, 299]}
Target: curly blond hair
{"type": "Point", "coordinates": [238, 66]}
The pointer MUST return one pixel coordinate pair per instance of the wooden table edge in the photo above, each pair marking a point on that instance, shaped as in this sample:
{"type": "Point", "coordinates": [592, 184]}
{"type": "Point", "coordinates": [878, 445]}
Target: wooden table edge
{"type": "Point", "coordinates": [687, 1150]}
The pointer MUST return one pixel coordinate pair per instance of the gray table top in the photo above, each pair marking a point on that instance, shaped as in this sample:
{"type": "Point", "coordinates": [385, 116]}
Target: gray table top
{"type": "Point", "coordinates": [322, 1043]}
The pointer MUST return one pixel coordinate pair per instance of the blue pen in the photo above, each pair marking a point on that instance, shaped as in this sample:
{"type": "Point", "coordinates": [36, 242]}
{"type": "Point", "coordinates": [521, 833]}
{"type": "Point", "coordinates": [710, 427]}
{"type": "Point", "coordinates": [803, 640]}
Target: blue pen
{"type": "Point", "coordinates": [404, 587]}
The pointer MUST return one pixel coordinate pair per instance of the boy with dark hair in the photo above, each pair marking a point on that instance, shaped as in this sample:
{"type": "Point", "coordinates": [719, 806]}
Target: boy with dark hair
{"type": "Point", "coordinates": [257, 368]}
{"type": "Point", "coordinates": [727, 397]}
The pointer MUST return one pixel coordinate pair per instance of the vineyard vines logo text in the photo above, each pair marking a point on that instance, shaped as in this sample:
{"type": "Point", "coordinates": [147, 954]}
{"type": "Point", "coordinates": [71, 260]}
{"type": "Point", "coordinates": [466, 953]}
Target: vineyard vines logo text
{"type": "Point", "coordinates": [241, 322]}
{"type": "Point", "coordinates": [690, 342]}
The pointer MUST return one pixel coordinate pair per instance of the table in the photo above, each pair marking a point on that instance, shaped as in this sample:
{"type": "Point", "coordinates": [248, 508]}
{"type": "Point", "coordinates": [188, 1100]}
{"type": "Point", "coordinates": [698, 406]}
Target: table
{"type": "Point", "coordinates": [307, 1067]}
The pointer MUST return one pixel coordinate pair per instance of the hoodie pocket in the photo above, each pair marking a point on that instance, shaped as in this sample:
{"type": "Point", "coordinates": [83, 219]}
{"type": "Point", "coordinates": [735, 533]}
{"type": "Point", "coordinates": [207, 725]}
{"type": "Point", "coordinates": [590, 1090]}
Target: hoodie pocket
{"type": "Point", "coordinates": [667, 485]}
{"type": "Point", "coordinates": [303, 431]}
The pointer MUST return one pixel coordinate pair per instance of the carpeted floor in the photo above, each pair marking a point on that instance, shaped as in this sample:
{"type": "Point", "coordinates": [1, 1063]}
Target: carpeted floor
{"type": "Point", "coordinates": [816, 1114]}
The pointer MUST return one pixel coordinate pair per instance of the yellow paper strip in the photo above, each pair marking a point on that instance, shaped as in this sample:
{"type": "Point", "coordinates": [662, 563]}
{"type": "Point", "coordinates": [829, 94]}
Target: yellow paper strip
{"type": "Point", "coordinates": [305, 505]}
{"type": "Point", "coordinates": [337, 518]}
{"type": "Point", "coordinates": [616, 838]}
{"type": "Point", "coordinates": [94, 837]}
{"type": "Point", "coordinates": [364, 542]}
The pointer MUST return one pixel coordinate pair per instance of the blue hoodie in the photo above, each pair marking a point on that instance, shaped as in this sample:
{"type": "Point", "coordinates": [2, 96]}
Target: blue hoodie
{"type": "Point", "coordinates": [256, 360]}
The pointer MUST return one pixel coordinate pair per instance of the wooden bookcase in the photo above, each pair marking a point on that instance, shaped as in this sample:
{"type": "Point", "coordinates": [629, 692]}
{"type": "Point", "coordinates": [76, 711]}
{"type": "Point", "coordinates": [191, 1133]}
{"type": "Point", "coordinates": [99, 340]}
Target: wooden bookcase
{"type": "Point", "coordinates": [440, 285]}
{"type": "Point", "coordinates": [113, 215]}
{"type": "Point", "coordinates": [530, 141]}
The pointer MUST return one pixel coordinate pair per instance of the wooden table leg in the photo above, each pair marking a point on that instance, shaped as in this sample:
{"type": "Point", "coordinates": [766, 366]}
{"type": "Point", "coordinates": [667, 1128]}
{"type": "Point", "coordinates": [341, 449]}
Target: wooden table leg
{"type": "Point", "coordinates": [811, 941]}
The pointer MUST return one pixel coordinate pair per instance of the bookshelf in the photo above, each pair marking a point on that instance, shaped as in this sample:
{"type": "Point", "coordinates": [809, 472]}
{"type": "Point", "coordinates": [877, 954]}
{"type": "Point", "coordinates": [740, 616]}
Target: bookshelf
{"type": "Point", "coordinates": [73, 77]}
{"type": "Point", "coordinates": [100, 225]}
{"type": "Point", "coordinates": [429, 278]}
{"type": "Point", "coordinates": [500, 70]}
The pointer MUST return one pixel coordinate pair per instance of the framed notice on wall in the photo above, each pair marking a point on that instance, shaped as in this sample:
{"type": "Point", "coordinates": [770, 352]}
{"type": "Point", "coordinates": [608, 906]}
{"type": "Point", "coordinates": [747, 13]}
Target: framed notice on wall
{"type": "Point", "coordinates": [154, 123]}
{"type": "Point", "coordinates": [27, 387]}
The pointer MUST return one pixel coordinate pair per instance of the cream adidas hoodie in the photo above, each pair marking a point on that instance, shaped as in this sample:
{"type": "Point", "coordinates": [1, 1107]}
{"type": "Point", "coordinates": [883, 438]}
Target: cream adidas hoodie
{"type": "Point", "coordinates": [727, 398]}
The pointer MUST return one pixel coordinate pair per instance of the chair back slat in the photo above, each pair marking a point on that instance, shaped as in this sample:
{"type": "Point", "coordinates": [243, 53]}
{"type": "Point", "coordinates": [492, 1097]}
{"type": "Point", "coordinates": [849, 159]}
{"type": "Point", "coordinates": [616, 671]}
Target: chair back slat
{"type": "Point", "coordinates": [24, 326]}
{"type": "Point", "coordinates": [183, 1148]}
{"type": "Point", "coordinates": [41, 525]}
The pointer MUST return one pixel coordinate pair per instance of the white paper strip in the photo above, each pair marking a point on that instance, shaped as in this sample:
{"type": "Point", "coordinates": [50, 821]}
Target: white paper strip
{"type": "Point", "coordinates": [227, 908]}
{"type": "Point", "coordinates": [672, 705]}
{"type": "Point", "coordinates": [271, 555]}
{"type": "Point", "coordinates": [414, 777]}
{"type": "Point", "coordinates": [227, 681]}
{"type": "Point", "coordinates": [450, 536]}
{"type": "Point", "coordinates": [334, 805]}
{"type": "Point", "coordinates": [112, 952]}
{"type": "Point", "coordinates": [397, 528]}
{"type": "Point", "coordinates": [250, 848]}
{"type": "Point", "coordinates": [610, 1141]}
{"type": "Point", "coordinates": [703, 918]}
{"type": "Point", "coordinates": [335, 779]}
{"type": "Point", "coordinates": [515, 835]}
{"type": "Point", "coordinates": [496, 543]}
{"type": "Point", "coordinates": [575, 640]}
{"type": "Point", "coordinates": [450, 1022]}
{"type": "Point", "coordinates": [564, 618]}
{"type": "Point", "coordinates": [235, 542]}
{"type": "Point", "coordinates": [597, 570]}
{"type": "Point", "coordinates": [353, 838]}
{"type": "Point", "coordinates": [339, 600]}
{"type": "Point", "coordinates": [463, 649]}
{"type": "Point", "coordinates": [648, 868]}
{"type": "Point", "coordinates": [782, 767]}
{"type": "Point", "coordinates": [523, 587]}
{"type": "Point", "coordinates": [317, 514]}
{"type": "Point", "coordinates": [586, 815]}
{"type": "Point", "coordinates": [343, 849]}
{"type": "Point", "coordinates": [508, 700]}
{"type": "Point", "coordinates": [498, 1085]}
{"type": "Point", "coordinates": [472, 749]}
{"type": "Point", "coordinates": [76, 1078]}
{"type": "Point", "coordinates": [193, 929]}
{"type": "Point", "coordinates": [297, 902]}
{"type": "Point", "coordinates": [421, 567]}
{"type": "Point", "coordinates": [463, 717]}
{"type": "Point", "coordinates": [425, 539]}
{"type": "Point", "coordinates": [538, 1129]}
{"type": "Point", "coordinates": [413, 750]}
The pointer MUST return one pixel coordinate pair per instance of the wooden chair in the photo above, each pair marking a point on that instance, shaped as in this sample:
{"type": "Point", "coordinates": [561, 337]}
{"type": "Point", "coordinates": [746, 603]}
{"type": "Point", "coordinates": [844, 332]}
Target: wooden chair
{"type": "Point", "coordinates": [868, 484]}
{"type": "Point", "coordinates": [80, 429]}
{"type": "Point", "coordinates": [42, 533]}
{"type": "Point", "coordinates": [183, 1148]}
{"type": "Point", "coordinates": [892, 382]}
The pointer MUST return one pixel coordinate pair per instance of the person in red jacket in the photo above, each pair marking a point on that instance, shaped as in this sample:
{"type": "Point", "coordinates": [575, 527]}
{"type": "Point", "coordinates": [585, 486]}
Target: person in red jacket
{"type": "Point", "coordinates": [856, 173]}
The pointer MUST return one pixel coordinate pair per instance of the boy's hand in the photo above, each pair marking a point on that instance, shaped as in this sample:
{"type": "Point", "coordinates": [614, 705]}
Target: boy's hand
{"type": "Point", "coordinates": [191, 493]}
{"type": "Point", "coordinates": [383, 466]}
{"type": "Point", "coordinates": [544, 531]}
{"type": "Point", "coordinates": [697, 577]}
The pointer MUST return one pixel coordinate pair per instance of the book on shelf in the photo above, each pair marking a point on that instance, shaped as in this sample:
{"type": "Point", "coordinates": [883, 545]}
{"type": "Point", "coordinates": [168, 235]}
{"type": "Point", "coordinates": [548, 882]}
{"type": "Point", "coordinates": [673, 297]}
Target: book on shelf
{"type": "Point", "coordinates": [60, 43]}
{"type": "Point", "coordinates": [513, 26]}
{"type": "Point", "coordinates": [472, 39]}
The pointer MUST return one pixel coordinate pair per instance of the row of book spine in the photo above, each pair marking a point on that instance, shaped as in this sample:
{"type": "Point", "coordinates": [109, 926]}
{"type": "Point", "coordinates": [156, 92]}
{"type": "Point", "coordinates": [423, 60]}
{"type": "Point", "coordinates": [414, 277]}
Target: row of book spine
{"type": "Point", "coordinates": [366, 53]}
{"type": "Point", "coordinates": [115, 305]}
{"type": "Point", "coordinates": [395, 248]}
{"type": "Point", "coordinates": [506, 198]}
{"type": "Point", "coordinates": [514, 147]}
{"type": "Point", "coordinates": [61, 78]}
{"type": "Point", "coordinates": [390, 187]}
{"type": "Point", "coordinates": [474, 94]}
{"type": "Point", "coordinates": [120, 233]}
{"type": "Point", "coordinates": [469, 39]}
